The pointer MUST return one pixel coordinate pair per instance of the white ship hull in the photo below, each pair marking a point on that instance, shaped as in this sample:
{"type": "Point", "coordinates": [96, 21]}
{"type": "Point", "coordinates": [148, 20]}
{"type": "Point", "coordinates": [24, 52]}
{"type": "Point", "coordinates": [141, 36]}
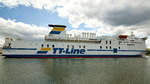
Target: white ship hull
{"type": "Point", "coordinates": [58, 45]}
{"type": "Point", "coordinates": [32, 49]}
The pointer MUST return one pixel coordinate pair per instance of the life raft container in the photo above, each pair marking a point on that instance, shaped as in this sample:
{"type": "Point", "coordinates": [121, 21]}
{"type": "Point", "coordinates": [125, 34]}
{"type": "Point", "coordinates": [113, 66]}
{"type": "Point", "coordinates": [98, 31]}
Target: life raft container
{"type": "Point", "coordinates": [122, 36]}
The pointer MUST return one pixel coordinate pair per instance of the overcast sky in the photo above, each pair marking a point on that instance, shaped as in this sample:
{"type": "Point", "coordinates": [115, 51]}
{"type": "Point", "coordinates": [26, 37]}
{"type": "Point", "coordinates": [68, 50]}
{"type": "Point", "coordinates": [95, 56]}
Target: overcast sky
{"type": "Point", "coordinates": [29, 18]}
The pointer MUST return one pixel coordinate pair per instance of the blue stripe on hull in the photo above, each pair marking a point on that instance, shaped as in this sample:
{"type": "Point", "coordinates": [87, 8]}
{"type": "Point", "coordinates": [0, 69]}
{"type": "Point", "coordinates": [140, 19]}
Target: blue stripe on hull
{"type": "Point", "coordinates": [19, 49]}
{"type": "Point", "coordinates": [66, 56]}
{"type": "Point", "coordinates": [117, 50]}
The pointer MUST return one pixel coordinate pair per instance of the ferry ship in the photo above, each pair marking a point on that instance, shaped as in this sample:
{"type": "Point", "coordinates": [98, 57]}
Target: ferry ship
{"type": "Point", "coordinates": [59, 44]}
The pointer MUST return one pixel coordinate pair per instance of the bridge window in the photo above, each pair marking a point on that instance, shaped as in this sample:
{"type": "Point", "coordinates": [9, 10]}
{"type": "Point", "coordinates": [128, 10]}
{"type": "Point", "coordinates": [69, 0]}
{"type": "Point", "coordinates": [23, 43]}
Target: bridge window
{"type": "Point", "coordinates": [53, 46]}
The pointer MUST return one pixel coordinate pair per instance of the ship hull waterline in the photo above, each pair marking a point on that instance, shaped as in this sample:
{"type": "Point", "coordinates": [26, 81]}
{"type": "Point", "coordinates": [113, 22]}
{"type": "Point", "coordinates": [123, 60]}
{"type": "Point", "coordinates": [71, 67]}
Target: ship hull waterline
{"type": "Point", "coordinates": [68, 56]}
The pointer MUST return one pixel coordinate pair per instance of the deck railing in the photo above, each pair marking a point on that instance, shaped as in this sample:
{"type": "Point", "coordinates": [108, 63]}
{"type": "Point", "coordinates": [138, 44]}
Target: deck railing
{"type": "Point", "coordinates": [64, 40]}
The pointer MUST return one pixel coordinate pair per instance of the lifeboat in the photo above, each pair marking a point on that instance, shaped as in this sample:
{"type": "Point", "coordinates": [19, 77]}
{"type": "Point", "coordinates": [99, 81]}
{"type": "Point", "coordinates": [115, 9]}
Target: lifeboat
{"type": "Point", "coordinates": [122, 36]}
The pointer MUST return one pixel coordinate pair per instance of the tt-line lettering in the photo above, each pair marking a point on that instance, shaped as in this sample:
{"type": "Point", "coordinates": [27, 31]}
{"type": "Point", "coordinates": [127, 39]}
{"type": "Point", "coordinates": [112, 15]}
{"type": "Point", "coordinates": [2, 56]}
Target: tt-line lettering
{"type": "Point", "coordinates": [68, 51]}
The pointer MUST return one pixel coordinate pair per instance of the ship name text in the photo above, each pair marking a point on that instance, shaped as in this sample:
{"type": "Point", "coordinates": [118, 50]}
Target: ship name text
{"type": "Point", "coordinates": [68, 51]}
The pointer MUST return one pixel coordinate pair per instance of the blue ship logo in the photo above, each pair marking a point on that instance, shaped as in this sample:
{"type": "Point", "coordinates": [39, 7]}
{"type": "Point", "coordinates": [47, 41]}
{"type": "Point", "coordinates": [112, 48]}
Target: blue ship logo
{"type": "Point", "coordinates": [68, 51]}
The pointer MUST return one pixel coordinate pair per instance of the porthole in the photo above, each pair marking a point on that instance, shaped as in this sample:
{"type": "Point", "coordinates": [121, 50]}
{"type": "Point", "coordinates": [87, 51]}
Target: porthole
{"type": "Point", "coordinates": [72, 46]}
{"type": "Point", "coordinates": [79, 46]}
{"type": "Point", "coordinates": [42, 45]}
{"type": "Point", "coordinates": [100, 41]}
{"type": "Point", "coordinates": [110, 42]}
{"type": "Point", "coordinates": [67, 46]}
{"type": "Point", "coordinates": [53, 46]}
{"type": "Point", "coordinates": [106, 47]}
{"type": "Point", "coordinates": [110, 47]}
{"type": "Point", "coordinates": [47, 45]}
{"type": "Point", "coordinates": [84, 46]}
{"type": "Point", "coordinates": [106, 42]}
{"type": "Point", "coordinates": [100, 47]}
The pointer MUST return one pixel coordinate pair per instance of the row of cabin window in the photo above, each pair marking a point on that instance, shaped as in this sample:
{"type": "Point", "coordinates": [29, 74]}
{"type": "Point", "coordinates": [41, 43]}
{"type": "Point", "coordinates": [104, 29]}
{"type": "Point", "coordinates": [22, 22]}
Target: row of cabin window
{"type": "Point", "coordinates": [42, 45]}
{"type": "Point", "coordinates": [106, 42]}
{"type": "Point", "coordinates": [108, 47]}
{"type": "Point", "coordinates": [73, 46]}
{"type": "Point", "coordinates": [79, 46]}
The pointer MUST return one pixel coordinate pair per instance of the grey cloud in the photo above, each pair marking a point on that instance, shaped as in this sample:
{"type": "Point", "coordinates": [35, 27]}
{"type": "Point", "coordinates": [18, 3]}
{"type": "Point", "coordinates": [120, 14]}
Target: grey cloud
{"type": "Point", "coordinates": [127, 16]}
{"type": "Point", "coordinates": [108, 12]}
{"type": "Point", "coordinates": [111, 12]}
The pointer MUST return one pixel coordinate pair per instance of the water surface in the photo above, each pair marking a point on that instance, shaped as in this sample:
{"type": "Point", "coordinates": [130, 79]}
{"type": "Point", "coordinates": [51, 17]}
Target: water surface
{"type": "Point", "coordinates": [75, 71]}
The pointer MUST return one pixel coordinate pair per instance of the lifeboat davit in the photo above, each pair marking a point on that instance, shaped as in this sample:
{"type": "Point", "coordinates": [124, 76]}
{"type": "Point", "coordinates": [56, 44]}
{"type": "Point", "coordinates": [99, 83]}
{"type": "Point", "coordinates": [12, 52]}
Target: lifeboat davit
{"type": "Point", "coordinates": [123, 36]}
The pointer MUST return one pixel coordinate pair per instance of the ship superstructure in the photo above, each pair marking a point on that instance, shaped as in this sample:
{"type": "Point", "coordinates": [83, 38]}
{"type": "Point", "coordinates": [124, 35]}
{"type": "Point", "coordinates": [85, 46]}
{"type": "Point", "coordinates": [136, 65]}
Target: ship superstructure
{"type": "Point", "coordinates": [59, 44]}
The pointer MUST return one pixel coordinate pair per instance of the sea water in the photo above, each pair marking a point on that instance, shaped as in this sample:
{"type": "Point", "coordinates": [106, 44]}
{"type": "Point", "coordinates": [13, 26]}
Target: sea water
{"type": "Point", "coordinates": [75, 71]}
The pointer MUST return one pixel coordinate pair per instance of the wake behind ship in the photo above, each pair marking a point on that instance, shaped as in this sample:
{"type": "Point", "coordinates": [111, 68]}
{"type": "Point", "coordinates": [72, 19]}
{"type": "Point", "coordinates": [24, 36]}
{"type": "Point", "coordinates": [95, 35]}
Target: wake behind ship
{"type": "Point", "coordinates": [59, 44]}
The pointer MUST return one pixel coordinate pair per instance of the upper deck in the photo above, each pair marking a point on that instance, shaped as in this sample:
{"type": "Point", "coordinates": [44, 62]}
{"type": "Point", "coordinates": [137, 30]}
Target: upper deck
{"type": "Point", "coordinates": [59, 34]}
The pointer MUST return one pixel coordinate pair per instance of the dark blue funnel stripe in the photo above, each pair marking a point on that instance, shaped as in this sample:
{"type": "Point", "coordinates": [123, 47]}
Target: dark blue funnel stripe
{"type": "Point", "coordinates": [51, 25]}
{"type": "Point", "coordinates": [55, 32]}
